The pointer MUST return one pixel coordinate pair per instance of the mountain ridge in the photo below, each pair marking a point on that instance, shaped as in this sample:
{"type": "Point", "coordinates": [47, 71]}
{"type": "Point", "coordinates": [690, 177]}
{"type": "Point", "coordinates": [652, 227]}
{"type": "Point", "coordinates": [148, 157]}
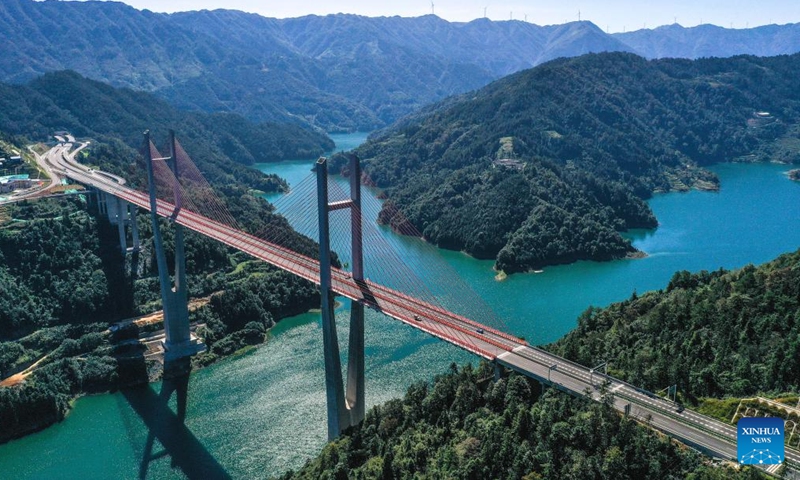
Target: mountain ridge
{"type": "Point", "coordinates": [547, 165]}
{"type": "Point", "coordinates": [335, 72]}
{"type": "Point", "coordinates": [675, 41]}
{"type": "Point", "coordinates": [223, 144]}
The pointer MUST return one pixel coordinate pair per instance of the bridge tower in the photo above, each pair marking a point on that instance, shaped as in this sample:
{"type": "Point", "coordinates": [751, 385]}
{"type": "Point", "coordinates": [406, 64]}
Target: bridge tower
{"type": "Point", "coordinates": [179, 341]}
{"type": "Point", "coordinates": [345, 407]}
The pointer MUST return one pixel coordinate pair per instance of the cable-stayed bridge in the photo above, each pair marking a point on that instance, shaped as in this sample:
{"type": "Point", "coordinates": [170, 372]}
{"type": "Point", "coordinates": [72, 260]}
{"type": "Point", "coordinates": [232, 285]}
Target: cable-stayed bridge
{"type": "Point", "coordinates": [178, 192]}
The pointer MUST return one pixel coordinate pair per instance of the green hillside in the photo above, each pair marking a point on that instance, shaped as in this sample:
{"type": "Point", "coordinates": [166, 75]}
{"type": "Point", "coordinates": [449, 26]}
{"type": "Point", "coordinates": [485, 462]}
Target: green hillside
{"type": "Point", "coordinates": [222, 144]}
{"type": "Point", "coordinates": [464, 426]}
{"type": "Point", "coordinates": [547, 166]}
{"type": "Point", "coordinates": [711, 333]}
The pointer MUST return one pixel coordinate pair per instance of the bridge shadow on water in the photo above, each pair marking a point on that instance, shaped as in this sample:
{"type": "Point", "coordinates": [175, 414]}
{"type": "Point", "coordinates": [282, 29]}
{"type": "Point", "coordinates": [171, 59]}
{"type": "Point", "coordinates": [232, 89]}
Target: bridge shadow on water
{"type": "Point", "coordinates": [167, 427]}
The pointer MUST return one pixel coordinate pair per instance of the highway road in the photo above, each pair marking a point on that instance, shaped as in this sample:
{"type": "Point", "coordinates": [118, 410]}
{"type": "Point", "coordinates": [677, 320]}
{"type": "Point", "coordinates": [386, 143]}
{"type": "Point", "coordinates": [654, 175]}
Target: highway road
{"type": "Point", "coordinates": [710, 435]}
{"type": "Point", "coordinates": [704, 433]}
{"type": "Point", "coordinates": [49, 162]}
{"type": "Point", "coordinates": [55, 179]}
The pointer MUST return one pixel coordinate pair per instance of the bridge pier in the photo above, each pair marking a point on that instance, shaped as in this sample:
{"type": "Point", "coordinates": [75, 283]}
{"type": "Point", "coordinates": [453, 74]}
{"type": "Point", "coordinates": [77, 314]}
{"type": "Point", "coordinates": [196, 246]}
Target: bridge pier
{"type": "Point", "coordinates": [122, 214]}
{"type": "Point", "coordinates": [127, 217]}
{"type": "Point", "coordinates": [91, 200]}
{"type": "Point", "coordinates": [111, 208]}
{"type": "Point", "coordinates": [345, 408]}
{"type": "Point", "coordinates": [179, 340]}
{"type": "Point", "coordinates": [100, 197]}
{"type": "Point", "coordinates": [499, 371]}
{"type": "Point", "coordinates": [132, 209]}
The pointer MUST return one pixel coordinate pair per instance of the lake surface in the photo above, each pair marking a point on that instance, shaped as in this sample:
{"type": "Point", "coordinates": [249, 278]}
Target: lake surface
{"type": "Point", "coordinates": [262, 413]}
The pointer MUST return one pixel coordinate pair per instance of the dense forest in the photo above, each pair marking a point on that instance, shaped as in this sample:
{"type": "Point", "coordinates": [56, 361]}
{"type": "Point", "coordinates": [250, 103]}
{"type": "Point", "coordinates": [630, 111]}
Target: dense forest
{"type": "Point", "coordinates": [547, 165]}
{"type": "Point", "coordinates": [713, 334]}
{"type": "Point", "coordinates": [62, 265]}
{"type": "Point", "coordinates": [222, 144]}
{"type": "Point", "coordinates": [465, 426]}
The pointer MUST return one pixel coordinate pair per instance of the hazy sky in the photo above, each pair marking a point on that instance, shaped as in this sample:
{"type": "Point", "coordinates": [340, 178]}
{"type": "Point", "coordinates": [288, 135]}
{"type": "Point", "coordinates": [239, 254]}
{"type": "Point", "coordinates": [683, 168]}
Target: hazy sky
{"type": "Point", "coordinates": [616, 15]}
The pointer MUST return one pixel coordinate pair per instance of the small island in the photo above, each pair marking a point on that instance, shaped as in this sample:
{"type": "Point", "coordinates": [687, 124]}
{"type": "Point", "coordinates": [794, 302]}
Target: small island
{"type": "Point", "coordinates": [794, 174]}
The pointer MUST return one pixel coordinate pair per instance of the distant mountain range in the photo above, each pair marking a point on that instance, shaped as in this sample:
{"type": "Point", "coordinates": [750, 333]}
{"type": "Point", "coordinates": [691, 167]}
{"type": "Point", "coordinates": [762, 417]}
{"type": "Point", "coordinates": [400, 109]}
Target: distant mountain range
{"type": "Point", "coordinates": [674, 41]}
{"type": "Point", "coordinates": [338, 72]}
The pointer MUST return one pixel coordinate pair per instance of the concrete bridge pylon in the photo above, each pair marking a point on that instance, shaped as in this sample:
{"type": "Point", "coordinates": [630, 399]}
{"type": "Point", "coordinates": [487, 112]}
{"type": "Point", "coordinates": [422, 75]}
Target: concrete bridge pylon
{"type": "Point", "coordinates": [179, 341]}
{"type": "Point", "coordinates": [345, 406]}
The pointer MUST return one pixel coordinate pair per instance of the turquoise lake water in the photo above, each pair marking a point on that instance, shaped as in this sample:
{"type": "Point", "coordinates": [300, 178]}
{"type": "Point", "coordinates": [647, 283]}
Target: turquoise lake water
{"type": "Point", "coordinates": [259, 414]}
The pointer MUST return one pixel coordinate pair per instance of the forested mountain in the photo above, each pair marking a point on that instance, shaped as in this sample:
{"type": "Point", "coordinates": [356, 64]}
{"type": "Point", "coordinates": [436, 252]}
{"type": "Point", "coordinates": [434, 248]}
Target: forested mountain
{"type": "Point", "coordinates": [711, 333]}
{"type": "Point", "coordinates": [221, 143]}
{"type": "Point", "coordinates": [545, 166]}
{"type": "Point", "coordinates": [464, 426]}
{"type": "Point", "coordinates": [676, 41]}
{"type": "Point", "coordinates": [339, 72]}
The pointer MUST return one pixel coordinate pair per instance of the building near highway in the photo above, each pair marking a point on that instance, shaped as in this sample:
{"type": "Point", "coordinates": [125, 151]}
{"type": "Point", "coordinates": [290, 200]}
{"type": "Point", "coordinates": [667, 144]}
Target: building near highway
{"type": "Point", "coordinates": [14, 182]}
{"type": "Point", "coordinates": [10, 162]}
